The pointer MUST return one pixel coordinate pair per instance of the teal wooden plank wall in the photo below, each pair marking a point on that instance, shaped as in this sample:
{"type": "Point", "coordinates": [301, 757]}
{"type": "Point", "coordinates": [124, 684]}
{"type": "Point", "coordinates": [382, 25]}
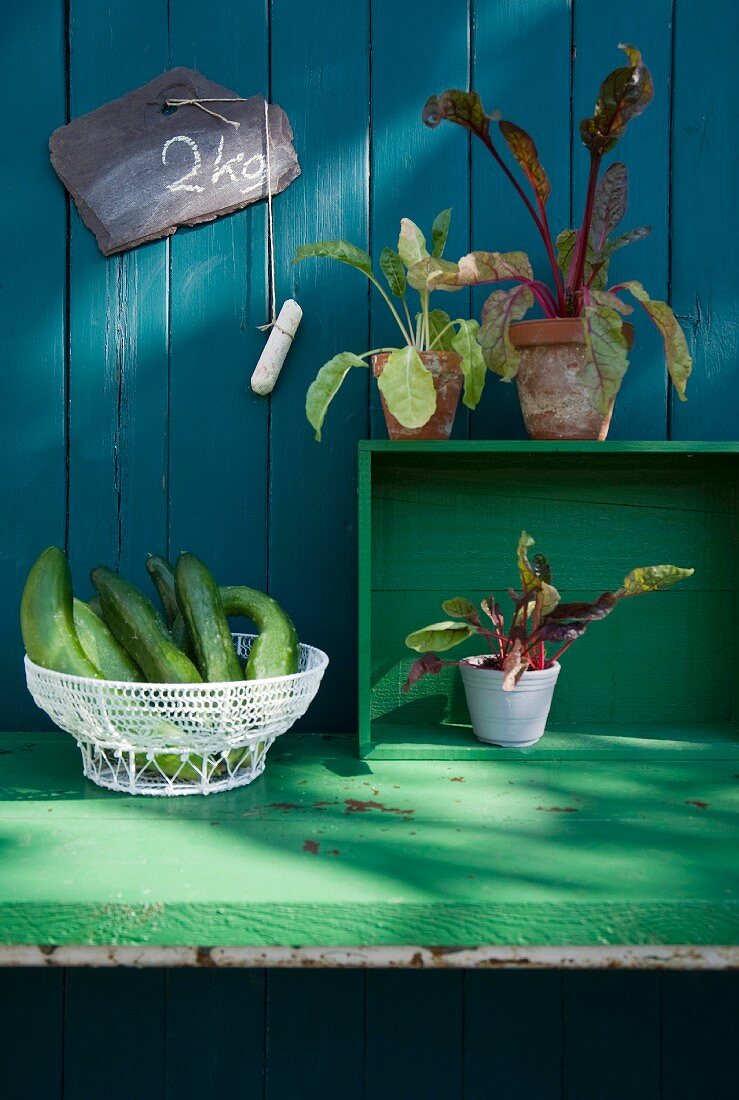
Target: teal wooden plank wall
{"type": "Point", "coordinates": [379, 1035]}
{"type": "Point", "coordinates": [129, 424]}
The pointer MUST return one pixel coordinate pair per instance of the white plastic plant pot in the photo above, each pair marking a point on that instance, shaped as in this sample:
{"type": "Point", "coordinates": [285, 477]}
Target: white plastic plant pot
{"type": "Point", "coordinates": [512, 719]}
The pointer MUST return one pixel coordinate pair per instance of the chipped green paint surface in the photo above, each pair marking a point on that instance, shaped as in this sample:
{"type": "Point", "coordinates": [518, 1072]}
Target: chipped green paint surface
{"type": "Point", "coordinates": [329, 850]}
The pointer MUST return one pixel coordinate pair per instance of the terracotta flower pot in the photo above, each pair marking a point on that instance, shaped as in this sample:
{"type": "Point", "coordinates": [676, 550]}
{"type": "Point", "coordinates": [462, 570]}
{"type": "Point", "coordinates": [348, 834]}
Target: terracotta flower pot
{"type": "Point", "coordinates": [554, 402]}
{"type": "Point", "coordinates": [444, 367]}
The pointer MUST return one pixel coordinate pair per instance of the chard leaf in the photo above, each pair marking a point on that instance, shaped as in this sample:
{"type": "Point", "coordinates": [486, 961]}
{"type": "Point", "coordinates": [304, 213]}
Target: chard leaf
{"type": "Point", "coordinates": [606, 360]}
{"type": "Point", "coordinates": [595, 272]}
{"type": "Point", "coordinates": [461, 608]}
{"type": "Point", "coordinates": [408, 388]}
{"type": "Point", "coordinates": [623, 95]}
{"type": "Point", "coordinates": [584, 612]}
{"type": "Point", "coordinates": [440, 232]}
{"type": "Point", "coordinates": [653, 578]}
{"type": "Point", "coordinates": [529, 579]}
{"type": "Point", "coordinates": [472, 364]}
{"type": "Point", "coordinates": [609, 205]}
{"type": "Point", "coordinates": [431, 273]}
{"type": "Point", "coordinates": [411, 243]}
{"type": "Point", "coordinates": [550, 598]}
{"type": "Point", "coordinates": [326, 385]}
{"type": "Point", "coordinates": [611, 301]}
{"type": "Point", "coordinates": [493, 612]}
{"type": "Point", "coordinates": [426, 665]}
{"type": "Point", "coordinates": [439, 636]}
{"type": "Point", "coordinates": [561, 632]}
{"type": "Point", "coordinates": [678, 358]}
{"type": "Point", "coordinates": [502, 308]}
{"type": "Point", "coordinates": [627, 238]}
{"type": "Point", "coordinates": [523, 148]}
{"type": "Point", "coordinates": [513, 665]}
{"type": "Point", "coordinates": [493, 267]}
{"type": "Point", "coordinates": [343, 251]}
{"type": "Point", "coordinates": [464, 108]}
{"type": "Point", "coordinates": [439, 320]}
{"type": "Point", "coordinates": [392, 268]}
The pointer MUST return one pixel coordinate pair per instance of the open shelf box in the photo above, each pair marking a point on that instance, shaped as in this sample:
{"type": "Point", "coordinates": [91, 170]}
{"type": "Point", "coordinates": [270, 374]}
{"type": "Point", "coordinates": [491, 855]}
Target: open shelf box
{"type": "Point", "coordinates": [439, 520]}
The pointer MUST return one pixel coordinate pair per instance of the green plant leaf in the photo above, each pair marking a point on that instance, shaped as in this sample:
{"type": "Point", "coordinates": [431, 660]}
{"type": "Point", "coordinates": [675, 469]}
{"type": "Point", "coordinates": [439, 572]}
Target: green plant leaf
{"type": "Point", "coordinates": [502, 308]}
{"type": "Point", "coordinates": [342, 251]}
{"type": "Point", "coordinates": [493, 612]}
{"type": "Point", "coordinates": [408, 388]}
{"type": "Point", "coordinates": [529, 579]}
{"type": "Point", "coordinates": [461, 608]}
{"type": "Point", "coordinates": [439, 321]}
{"type": "Point", "coordinates": [439, 636]}
{"type": "Point", "coordinates": [609, 205]}
{"type": "Point", "coordinates": [472, 363]}
{"type": "Point", "coordinates": [627, 238]}
{"type": "Point", "coordinates": [431, 273]}
{"type": "Point", "coordinates": [678, 358]}
{"type": "Point", "coordinates": [411, 243]}
{"type": "Point", "coordinates": [392, 268]}
{"type": "Point", "coordinates": [464, 108]}
{"type": "Point", "coordinates": [653, 578]}
{"type": "Point", "coordinates": [606, 361]}
{"type": "Point", "coordinates": [611, 301]}
{"type": "Point", "coordinates": [565, 248]}
{"type": "Point", "coordinates": [477, 268]}
{"type": "Point", "coordinates": [623, 95]}
{"type": "Point", "coordinates": [440, 231]}
{"type": "Point", "coordinates": [524, 150]}
{"type": "Point", "coordinates": [325, 386]}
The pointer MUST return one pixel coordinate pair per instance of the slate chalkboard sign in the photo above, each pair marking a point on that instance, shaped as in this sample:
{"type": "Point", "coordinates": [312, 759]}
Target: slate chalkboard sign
{"type": "Point", "coordinates": [137, 169]}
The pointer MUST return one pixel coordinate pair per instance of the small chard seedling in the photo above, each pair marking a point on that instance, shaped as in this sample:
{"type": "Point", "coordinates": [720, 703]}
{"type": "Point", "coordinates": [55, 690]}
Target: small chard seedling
{"type": "Point", "coordinates": [405, 382]}
{"type": "Point", "coordinates": [579, 258]}
{"type": "Point", "coordinates": [541, 628]}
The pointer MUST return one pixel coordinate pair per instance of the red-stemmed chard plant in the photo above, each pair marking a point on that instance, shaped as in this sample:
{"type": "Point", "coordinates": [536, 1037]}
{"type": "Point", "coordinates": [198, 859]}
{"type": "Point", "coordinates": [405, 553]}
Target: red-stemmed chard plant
{"type": "Point", "coordinates": [541, 629]}
{"type": "Point", "coordinates": [579, 258]}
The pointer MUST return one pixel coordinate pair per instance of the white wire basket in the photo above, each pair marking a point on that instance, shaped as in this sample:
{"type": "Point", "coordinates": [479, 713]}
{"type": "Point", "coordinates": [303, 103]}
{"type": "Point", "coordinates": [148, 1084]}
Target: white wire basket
{"type": "Point", "coordinates": [170, 739]}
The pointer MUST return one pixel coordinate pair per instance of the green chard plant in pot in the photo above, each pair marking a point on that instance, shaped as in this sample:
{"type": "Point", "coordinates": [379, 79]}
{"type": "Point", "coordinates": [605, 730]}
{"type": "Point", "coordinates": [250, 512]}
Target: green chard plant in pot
{"type": "Point", "coordinates": [509, 689]}
{"type": "Point", "coordinates": [568, 365]}
{"type": "Point", "coordinates": [420, 381]}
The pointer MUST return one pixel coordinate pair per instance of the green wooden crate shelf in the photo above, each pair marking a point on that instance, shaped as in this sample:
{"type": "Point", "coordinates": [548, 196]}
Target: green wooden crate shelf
{"type": "Point", "coordinates": [442, 519]}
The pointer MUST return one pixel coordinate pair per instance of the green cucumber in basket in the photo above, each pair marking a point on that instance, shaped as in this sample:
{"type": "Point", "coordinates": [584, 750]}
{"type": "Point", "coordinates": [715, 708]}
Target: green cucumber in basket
{"type": "Point", "coordinates": [134, 621]}
{"type": "Point", "coordinates": [47, 620]}
{"type": "Point", "coordinates": [162, 574]}
{"type": "Point", "coordinates": [101, 647]}
{"type": "Point", "coordinates": [276, 651]}
{"type": "Point", "coordinates": [202, 611]}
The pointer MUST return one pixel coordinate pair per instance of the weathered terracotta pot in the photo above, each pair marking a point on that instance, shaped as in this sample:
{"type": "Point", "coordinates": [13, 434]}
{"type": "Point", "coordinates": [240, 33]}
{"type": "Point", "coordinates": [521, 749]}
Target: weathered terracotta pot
{"type": "Point", "coordinates": [444, 367]}
{"type": "Point", "coordinates": [554, 402]}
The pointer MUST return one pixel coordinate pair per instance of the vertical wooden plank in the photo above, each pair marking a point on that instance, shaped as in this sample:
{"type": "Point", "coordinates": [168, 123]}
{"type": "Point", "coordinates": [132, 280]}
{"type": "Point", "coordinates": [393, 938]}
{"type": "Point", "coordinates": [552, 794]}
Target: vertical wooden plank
{"type": "Point", "coordinates": [703, 218]}
{"type": "Point", "coordinates": [502, 1011]}
{"type": "Point", "coordinates": [218, 427]}
{"type": "Point", "coordinates": [118, 321]}
{"type": "Point", "coordinates": [415, 172]}
{"type": "Point", "coordinates": [31, 1021]}
{"type": "Point", "coordinates": [315, 1022]}
{"type": "Point", "coordinates": [700, 1027]}
{"type": "Point", "coordinates": [215, 1033]}
{"type": "Point", "coordinates": [611, 1039]}
{"type": "Point", "coordinates": [521, 66]}
{"type": "Point", "coordinates": [32, 334]}
{"type": "Point", "coordinates": [413, 1044]}
{"type": "Point", "coordinates": [320, 75]}
{"type": "Point", "coordinates": [114, 1034]}
{"type": "Point", "coordinates": [641, 406]}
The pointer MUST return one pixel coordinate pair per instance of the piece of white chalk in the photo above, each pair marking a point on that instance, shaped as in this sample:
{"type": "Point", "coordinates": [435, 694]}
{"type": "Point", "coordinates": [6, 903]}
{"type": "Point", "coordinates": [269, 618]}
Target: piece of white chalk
{"type": "Point", "coordinates": [281, 336]}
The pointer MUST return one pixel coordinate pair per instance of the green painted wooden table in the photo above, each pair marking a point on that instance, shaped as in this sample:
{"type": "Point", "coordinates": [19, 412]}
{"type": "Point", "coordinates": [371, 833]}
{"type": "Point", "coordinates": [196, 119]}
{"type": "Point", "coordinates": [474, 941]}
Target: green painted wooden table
{"type": "Point", "coordinates": [329, 850]}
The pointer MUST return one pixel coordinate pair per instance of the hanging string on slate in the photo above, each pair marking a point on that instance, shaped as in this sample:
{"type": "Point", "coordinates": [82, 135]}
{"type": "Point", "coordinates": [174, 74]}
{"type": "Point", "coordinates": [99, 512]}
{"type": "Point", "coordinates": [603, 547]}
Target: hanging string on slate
{"type": "Point", "coordinates": [283, 326]}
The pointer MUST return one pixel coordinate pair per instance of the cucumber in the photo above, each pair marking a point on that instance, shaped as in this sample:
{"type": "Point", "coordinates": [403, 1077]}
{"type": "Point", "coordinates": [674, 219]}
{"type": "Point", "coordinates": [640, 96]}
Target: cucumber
{"type": "Point", "coordinates": [47, 621]}
{"type": "Point", "coordinates": [162, 573]}
{"type": "Point", "coordinates": [275, 652]}
{"type": "Point", "coordinates": [136, 625]}
{"type": "Point", "coordinates": [202, 612]}
{"type": "Point", "coordinates": [101, 647]}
